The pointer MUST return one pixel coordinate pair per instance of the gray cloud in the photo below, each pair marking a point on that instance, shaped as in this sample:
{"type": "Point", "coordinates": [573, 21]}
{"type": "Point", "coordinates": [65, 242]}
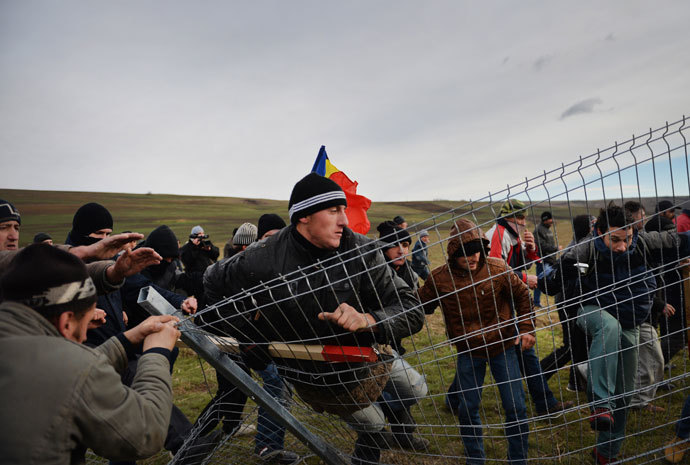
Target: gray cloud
{"type": "Point", "coordinates": [610, 38]}
{"type": "Point", "coordinates": [585, 106]}
{"type": "Point", "coordinates": [542, 62]}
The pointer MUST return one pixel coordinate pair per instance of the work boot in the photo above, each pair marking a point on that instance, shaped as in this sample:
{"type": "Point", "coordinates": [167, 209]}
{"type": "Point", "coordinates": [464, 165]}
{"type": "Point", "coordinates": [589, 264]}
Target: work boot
{"type": "Point", "coordinates": [368, 447]}
{"type": "Point", "coordinates": [403, 428]}
{"type": "Point", "coordinates": [196, 451]}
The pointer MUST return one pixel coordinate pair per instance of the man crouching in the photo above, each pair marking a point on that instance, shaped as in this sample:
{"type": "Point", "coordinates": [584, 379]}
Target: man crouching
{"type": "Point", "coordinates": [476, 293]}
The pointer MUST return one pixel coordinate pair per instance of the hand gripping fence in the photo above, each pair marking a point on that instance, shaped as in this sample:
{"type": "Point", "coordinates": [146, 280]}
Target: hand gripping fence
{"type": "Point", "coordinates": [449, 374]}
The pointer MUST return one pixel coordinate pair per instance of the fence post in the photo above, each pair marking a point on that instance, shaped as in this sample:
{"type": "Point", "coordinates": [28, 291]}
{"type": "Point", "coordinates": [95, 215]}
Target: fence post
{"type": "Point", "coordinates": [155, 304]}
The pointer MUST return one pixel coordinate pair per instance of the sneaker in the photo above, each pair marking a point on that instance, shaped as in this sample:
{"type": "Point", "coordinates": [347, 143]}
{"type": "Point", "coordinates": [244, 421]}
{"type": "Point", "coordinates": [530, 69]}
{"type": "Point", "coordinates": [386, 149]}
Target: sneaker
{"type": "Point", "coordinates": [278, 456]}
{"type": "Point", "coordinates": [600, 459]}
{"type": "Point", "coordinates": [601, 420]}
{"type": "Point", "coordinates": [649, 408]}
{"type": "Point", "coordinates": [675, 450]}
{"type": "Point", "coordinates": [556, 408]}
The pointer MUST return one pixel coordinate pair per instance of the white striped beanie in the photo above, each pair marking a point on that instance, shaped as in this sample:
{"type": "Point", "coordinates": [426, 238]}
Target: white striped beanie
{"type": "Point", "coordinates": [314, 193]}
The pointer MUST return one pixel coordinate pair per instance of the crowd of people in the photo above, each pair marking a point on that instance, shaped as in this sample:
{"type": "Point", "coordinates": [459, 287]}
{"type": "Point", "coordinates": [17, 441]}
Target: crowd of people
{"type": "Point", "coordinates": [71, 321]}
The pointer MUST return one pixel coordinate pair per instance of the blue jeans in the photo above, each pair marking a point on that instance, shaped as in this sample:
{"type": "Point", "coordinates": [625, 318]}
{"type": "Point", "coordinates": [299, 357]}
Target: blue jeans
{"type": "Point", "coordinates": [612, 371]}
{"type": "Point", "coordinates": [537, 292]}
{"type": "Point", "coordinates": [269, 433]}
{"type": "Point", "coordinates": [683, 425]}
{"type": "Point", "coordinates": [470, 380]}
{"type": "Point", "coordinates": [536, 381]}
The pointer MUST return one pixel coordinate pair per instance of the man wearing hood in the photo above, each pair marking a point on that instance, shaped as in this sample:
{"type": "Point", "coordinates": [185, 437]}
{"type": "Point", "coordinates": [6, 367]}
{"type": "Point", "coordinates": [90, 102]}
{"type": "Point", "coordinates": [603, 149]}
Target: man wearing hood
{"type": "Point", "coordinates": [162, 276]}
{"type": "Point", "coordinates": [617, 289]}
{"type": "Point", "coordinates": [476, 294]}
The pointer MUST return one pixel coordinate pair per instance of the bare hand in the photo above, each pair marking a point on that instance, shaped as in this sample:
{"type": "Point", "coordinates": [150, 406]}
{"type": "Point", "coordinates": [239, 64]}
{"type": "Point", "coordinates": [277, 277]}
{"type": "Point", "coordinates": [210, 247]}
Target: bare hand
{"type": "Point", "coordinates": [348, 318]}
{"type": "Point", "coordinates": [669, 310]}
{"type": "Point", "coordinates": [107, 248]}
{"type": "Point", "coordinates": [132, 262]}
{"type": "Point", "coordinates": [527, 340]}
{"type": "Point", "coordinates": [98, 319]}
{"type": "Point", "coordinates": [149, 326]}
{"type": "Point", "coordinates": [528, 240]}
{"type": "Point", "coordinates": [165, 337]}
{"type": "Point", "coordinates": [125, 318]}
{"type": "Point", "coordinates": [189, 305]}
{"type": "Point", "coordinates": [532, 281]}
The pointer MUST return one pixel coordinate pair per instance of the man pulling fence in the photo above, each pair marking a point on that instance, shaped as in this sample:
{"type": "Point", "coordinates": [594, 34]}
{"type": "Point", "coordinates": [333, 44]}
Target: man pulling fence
{"type": "Point", "coordinates": [317, 282]}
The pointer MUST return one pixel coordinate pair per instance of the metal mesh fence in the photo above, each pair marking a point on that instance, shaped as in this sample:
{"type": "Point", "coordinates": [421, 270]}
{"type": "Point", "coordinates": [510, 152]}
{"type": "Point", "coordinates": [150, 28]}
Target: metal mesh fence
{"type": "Point", "coordinates": [444, 371]}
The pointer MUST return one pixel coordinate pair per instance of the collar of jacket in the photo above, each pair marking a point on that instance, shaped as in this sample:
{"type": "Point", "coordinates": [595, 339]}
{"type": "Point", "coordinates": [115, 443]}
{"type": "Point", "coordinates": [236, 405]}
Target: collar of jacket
{"type": "Point", "coordinates": [509, 228]}
{"type": "Point", "coordinates": [314, 251]}
{"type": "Point", "coordinates": [18, 319]}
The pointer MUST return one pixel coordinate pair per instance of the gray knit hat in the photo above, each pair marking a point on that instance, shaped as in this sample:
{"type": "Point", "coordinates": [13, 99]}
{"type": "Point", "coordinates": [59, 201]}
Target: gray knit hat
{"type": "Point", "coordinates": [245, 235]}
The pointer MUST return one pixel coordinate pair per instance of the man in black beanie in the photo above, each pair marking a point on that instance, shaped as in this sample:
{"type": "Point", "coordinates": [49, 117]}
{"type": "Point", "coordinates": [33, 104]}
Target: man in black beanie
{"type": "Point", "coordinates": [49, 300]}
{"type": "Point", "coordinates": [322, 283]}
{"type": "Point", "coordinates": [10, 221]}
{"type": "Point", "coordinates": [91, 223]}
{"type": "Point", "coordinates": [269, 224]}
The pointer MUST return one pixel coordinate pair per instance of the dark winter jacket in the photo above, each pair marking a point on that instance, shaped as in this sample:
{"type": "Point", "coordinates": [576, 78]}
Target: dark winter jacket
{"type": "Point", "coordinates": [197, 259]}
{"type": "Point", "coordinates": [281, 284]}
{"type": "Point", "coordinates": [546, 244]}
{"type": "Point", "coordinates": [623, 284]}
{"type": "Point", "coordinates": [162, 284]}
{"type": "Point", "coordinates": [406, 273]}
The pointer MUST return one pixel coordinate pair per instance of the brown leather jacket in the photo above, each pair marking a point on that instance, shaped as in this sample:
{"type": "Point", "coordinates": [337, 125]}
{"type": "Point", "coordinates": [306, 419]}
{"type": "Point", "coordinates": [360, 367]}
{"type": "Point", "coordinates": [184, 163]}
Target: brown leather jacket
{"type": "Point", "coordinates": [478, 306]}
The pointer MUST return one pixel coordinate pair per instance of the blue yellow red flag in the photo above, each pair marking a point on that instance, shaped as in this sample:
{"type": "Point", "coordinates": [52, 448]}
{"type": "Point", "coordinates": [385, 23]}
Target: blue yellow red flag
{"type": "Point", "coordinates": [357, 205]}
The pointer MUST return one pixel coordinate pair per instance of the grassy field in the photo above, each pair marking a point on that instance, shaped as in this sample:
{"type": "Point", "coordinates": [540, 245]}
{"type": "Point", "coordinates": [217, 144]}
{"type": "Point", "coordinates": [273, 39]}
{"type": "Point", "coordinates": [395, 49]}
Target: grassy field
{"type": "Point", "coordinates": [567, 437]}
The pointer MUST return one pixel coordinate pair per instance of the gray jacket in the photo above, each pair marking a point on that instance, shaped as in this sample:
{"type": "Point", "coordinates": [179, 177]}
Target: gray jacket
{"type": "Point", "coordinates": [288, 283]}
{"type": "Point", "coordinates": [60, 397]}
{"type": "Point", "coordinates": [546, 244]}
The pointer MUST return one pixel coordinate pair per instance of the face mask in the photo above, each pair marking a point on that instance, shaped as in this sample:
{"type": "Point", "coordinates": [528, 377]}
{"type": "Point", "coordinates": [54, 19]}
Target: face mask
{"type": "Point", "coordinates": [160, 269]}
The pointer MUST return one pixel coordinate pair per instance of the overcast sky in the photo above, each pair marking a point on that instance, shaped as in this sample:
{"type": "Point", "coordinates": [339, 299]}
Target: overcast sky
{"type": "Point", "coordinates": [414, 100]}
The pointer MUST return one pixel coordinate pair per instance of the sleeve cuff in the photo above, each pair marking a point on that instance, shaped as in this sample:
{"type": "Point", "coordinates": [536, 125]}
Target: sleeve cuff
{"type": "Point", "coordinates": [130, 349]}
{"type": "Point", "coordinates": [160, 350]}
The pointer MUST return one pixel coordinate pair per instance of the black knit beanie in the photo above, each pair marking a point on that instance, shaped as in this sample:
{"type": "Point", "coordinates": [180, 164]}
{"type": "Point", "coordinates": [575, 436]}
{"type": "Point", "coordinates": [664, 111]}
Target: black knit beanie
{"type": "Point", "coordinates": [47, 279]}
{"type": "Point", "coordinates": [163, 240]}
{"type": "Point", "coordinates": [269, 222]}
{"type": "Point", "coordinates": [91, 218]}
{"type": "Point", "coordinates": [8, 212]}
{"type": "Point", "coordinates": [40, 237]}
{"type": "Point", "coordinates": [391, 234]}
{"type": "Point", "coordinates": [313, 193]}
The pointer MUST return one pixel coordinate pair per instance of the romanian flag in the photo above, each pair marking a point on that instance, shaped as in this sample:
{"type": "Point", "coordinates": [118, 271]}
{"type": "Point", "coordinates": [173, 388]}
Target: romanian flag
{"type": "Point", "coordinates": [357, 205]}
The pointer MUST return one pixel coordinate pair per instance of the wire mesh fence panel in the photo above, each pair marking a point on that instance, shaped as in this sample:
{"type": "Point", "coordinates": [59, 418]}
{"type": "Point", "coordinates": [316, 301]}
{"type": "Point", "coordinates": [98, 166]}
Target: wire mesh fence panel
{"type": "Point", "coordinates": [468, 365]}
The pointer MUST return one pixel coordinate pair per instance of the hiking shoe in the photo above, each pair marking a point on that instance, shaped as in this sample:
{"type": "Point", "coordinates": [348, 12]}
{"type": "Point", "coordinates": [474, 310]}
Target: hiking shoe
{"type": "Point", "coordinates": [600, 459]}
{"type": "Point", "coordinates": [675, 450]}
{"type": "Point", "coordinates": [555, 408]}
{"type": "Point", "coordinates": [278, 456]}
{"type": "Point", "coordinates": [601, 420]}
